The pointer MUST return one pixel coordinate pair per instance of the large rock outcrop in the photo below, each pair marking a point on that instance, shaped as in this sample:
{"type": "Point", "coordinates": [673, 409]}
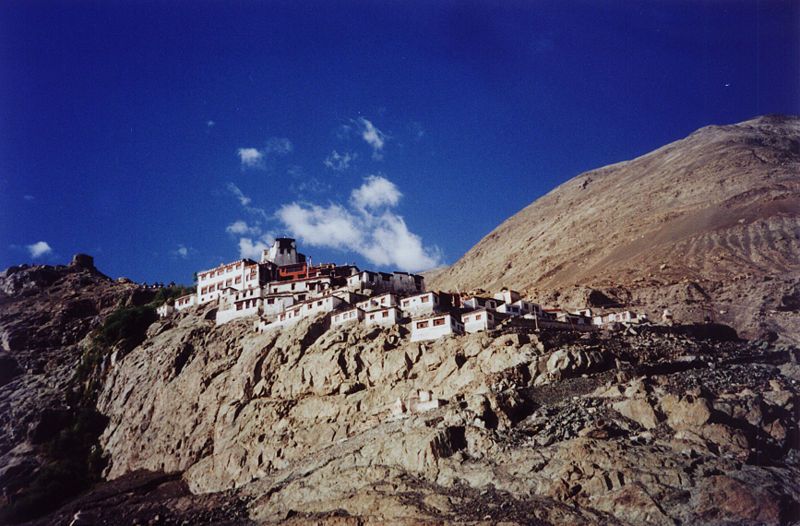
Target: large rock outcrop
{"type": "Point", "coordinates": [303, 424]}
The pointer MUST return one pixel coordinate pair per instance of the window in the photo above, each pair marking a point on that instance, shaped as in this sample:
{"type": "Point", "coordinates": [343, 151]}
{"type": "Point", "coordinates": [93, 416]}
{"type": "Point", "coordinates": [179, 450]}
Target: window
{"type": "Point", "coordinates": [372, 316]}
{"type": "Point", "coordinates": [422, 324]}
{"type": "Point", "coordinates": [406, 303]}
{"type": "Point", "coordinates": [425, 299]}
{"type": "Point", "coordinates": [238, 279]}
{"type": "Point", "coordinates": [319, 303]}
{"type": "Point", "coordinates": [386, 314]}
{"type": "Point", "coordinates": [477, 317]}
{"type": "Point", "coordinates": [270, 301]}
{"type": "Point", "coordinates": [438, 321]}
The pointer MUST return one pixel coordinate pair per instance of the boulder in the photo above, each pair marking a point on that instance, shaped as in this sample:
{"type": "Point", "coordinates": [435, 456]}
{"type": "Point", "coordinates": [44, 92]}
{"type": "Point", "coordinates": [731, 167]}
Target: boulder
{"type": "Point", "coordinates": [640, 410]}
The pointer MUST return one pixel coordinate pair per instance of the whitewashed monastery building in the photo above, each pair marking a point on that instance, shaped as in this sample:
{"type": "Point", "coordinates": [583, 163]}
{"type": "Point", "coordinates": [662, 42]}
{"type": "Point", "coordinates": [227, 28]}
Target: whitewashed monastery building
{"type": "Point", "coordinates": [284, 288]}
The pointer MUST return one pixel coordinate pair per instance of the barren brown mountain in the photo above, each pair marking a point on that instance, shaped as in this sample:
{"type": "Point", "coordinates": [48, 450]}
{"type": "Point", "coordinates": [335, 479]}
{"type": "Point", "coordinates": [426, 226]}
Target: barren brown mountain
{"type": "Point", "coordinates": [708, 226]}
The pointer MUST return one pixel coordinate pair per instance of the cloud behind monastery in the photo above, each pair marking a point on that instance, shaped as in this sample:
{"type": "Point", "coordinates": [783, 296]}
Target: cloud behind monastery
{"type": "Point", "coordinates": [368, 225]}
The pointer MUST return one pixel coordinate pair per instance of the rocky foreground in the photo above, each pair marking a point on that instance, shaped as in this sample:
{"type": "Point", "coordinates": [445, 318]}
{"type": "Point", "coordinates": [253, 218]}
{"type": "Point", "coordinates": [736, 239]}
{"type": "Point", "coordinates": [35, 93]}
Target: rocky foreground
{"type": "Point", "coordinates": [207, 424]}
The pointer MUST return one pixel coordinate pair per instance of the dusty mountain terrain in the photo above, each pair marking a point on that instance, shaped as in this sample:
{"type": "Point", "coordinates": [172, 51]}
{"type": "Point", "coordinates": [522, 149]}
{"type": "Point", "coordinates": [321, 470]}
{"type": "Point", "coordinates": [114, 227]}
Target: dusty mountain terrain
{"type": "Point", "coordinates": [708, 226]}
{"type": "Point", "coordinates": [206, 424]}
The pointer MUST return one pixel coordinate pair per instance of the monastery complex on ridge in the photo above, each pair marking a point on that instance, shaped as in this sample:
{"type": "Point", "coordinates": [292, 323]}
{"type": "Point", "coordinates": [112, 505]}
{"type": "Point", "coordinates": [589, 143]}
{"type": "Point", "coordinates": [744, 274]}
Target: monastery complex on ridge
{"type": "Point", "coordinates": [284, 288]}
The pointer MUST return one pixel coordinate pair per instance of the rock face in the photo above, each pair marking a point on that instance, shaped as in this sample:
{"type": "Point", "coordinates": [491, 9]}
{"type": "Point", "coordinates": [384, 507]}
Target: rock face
{"type": "Point", "coordinates": [298, 426]}
{"type": "Point", "coordinates": [45, 314]}
{"type": "Point", "coordinates": [708, 226]}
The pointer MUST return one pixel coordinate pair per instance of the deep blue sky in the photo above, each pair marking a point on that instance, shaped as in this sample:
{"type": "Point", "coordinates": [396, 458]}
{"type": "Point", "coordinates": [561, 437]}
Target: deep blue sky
{"type": "Point", "coordinates": [121, 123]}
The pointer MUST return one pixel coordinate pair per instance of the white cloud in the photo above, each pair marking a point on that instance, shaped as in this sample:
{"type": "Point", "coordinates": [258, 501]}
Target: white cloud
{"type": "Point", "coordinates": [373, 136]}
{"type": "Point", "coordinates": [391, 243]}
{"type": "Point", "coordinates": [279, 145]}
{"type": "Point", "coordinates": [339, 162]}
{"type": "Point", "coordinates": [252, 249]}
{"type": "Point", "coordinates": [242, 228]}
{"type": "Point", "coordinates": [329, 226]}
{"type": "Point", "coordinates": [251, 157]}
{"type": "Point", "coordinates": [182, 251]}
{"type": "Point", "coordinates": [39, 249]}
{"type": "Point", "coordinates": [369, 227]}
{"type": "Point", "coordinates": [243, 199]}
{"type": "Point", "coordinates": [211, 124]}
{"type": "Point", "coordinates": [28, 197]}
{"type": "Point", "coordinates": [376, 191]}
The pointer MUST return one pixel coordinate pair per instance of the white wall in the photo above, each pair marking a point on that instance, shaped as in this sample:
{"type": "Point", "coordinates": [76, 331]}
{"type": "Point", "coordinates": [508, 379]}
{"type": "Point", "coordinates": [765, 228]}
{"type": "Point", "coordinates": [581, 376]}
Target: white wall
{"type": "Point", "coordinates": [378, 302]}
{"type": "Point", "coordinates": [431, 331]}
{"type": "Point", "coordinates": [478, 321]}
{"type": "Point", "coordinates": [239, 275]}
{"type": "Point", "coordinates": [224, 316]}
{"type": "Point", "coordinates": [384, 317]}
{"type": "Point", "coordinates": [352, 315]}
{"type": "Point", "coordinates": [415, 306]}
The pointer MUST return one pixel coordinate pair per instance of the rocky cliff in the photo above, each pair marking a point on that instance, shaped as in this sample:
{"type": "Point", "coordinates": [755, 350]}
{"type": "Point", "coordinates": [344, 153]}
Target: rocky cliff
{"type": "Point", "coordinates": [198, 423]}
{"type": "Point", "coordinates": [668, 426]}
{"type": "Point", "coordinates": [46, 315]}
{"type": "Point", "coordinates": [708, 226]}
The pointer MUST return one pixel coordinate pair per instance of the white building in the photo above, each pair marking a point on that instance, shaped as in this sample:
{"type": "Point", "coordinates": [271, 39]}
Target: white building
{"type": "Point", "coordinates": [381, 301]}
{"type": "Point", "coordinates": [435, 327]}
{"type": "Point", "coordinates": [346, 295]}
{"type": "Point", "coordinates": [283, 252]}
{"type": "Point", "coordinates": [347, 316]}
{"type": "Point", "coordinates": [625, 316]}
{"type": "Point", "coordinates": [252, 302]}
{"type": "Point", "coordinates": [479, 320]}
{"type": "Point", "coordinates": [405, 283]}
{"type": "Point", "coordinates": [302, 289]}
{"type": "Point", "coordinates": [510, 309]}
{"type": "Point", "coordinates": [400, 282]}
{"type": "Point", "coordinates": [421, 304]}
{"type": "Point", "coordinates": [165, 310]}
{"type": "Point", "coordinates": [526, 307]}
{"type": "Point", "coordinates": [184, 302]}
{"type": "Point", "coordinates": [508, 296]}
{"type": "Point", "coordinates": [239, 275]}
{"type": "Point", "coordinates": [477, 302]}
{"type": "Point", "coordinates": [387, 317]}
{"type": "Point", "coordinates": [306, 309]}
{"type": "Point", "coordinates": [274, 304]}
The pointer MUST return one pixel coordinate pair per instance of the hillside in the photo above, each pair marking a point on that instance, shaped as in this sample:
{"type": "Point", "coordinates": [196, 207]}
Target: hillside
{"type": "Point", "coordinates": [708, 226]}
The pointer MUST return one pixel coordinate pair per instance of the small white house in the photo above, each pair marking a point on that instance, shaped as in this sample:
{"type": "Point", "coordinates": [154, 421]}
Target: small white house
{"type": "Point", "coordinates": [477, 302]}
{"type": "Point", "coordinates": [403, 282]}
{"type": "Point", "coordinates": [527, 307]}
{"type": "Point", "coordinates": [274, 304]}
{"type": "Point", "coordinates": [435, 327]}
{"type": "Point", "coordinates": [387, 317]}
{"type": "Point", "coordinates": [479, 320]}
{"type": "Point", "coordinates": [303, 287]}
{"type": "Point", "coordinates": [625, 316]}
{"type": "Point", "coordinates": [381, 301]}
{"type": "Point", "coordinates": [510, 309]}
{"type": "Point", "coordinates": [420, 305]}
{"type": "Point", "coordinates": [234, 304]}
{"type": "Point", "coordinates": [184, 302]}
{"type": "Point", "coordinates": [508, 296]}
{"type": "Point", "coordinates": [165, 310]}
{"type": "Point", "coordinates": [240, 275]}
{"type": "Point", "coordinates": [304, 310]}
{"type": "Point", "coordinates": [347, 316]}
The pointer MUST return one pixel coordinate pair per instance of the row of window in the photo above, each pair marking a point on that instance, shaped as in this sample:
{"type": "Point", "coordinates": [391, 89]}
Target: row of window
{"type": "Point", "coordinates": [426, 323]}
{"type": "Point", "coordinates": [220, 271]}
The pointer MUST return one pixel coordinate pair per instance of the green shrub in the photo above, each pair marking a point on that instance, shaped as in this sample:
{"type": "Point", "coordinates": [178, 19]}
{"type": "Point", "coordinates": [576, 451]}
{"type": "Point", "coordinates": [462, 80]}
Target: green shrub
{"type": "Point", "coordinates": [127, 325]}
